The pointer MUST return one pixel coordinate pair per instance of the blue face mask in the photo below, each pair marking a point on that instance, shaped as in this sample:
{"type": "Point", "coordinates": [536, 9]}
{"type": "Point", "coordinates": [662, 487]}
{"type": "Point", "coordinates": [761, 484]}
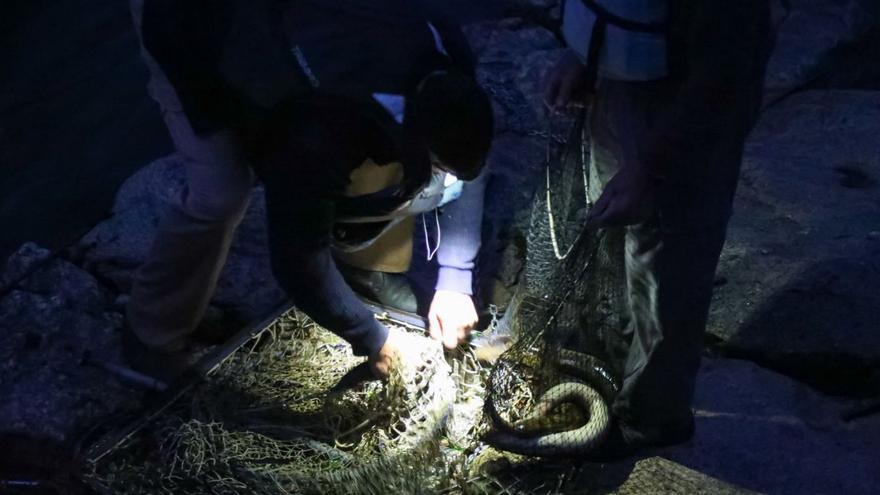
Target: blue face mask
{"type": "Point", "coordinates": [452, 186]}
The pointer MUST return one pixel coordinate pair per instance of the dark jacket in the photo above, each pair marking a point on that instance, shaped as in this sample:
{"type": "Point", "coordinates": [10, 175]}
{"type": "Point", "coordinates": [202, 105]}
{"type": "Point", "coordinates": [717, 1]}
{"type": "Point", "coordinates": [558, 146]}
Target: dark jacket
{"type": "Point", "coordinates": [234, 61]}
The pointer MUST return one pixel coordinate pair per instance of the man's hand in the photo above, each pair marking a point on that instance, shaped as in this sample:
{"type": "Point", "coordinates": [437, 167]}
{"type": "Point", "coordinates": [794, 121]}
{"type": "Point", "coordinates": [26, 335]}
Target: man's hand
{"type": "Point", "coordinates": [564, 83]}
{"type": "Point", "coordinates": [451, 318]}
{"type": "Point", "coordinates": [628, 198]}
{"type": "Point", "coordinates": [382, 361]}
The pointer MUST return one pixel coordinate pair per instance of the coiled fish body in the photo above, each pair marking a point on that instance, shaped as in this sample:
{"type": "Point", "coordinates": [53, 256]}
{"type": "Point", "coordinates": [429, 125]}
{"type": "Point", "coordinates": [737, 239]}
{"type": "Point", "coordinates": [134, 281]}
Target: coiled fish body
{"type": "Point", "coordinates": [577, 441]}
{"type": "Point", "coordinates": [535, 435]}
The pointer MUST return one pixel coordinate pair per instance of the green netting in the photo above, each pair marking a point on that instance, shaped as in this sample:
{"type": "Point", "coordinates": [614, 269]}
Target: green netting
{"type": "Point", "coordinates": [265, 422]}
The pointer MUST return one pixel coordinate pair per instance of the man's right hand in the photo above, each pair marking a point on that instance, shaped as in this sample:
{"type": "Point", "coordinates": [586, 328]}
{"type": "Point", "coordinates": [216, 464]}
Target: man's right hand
{"type": "Point", "coordinates": [563, 84]}
{"type": "Point", "coordinates": [382, 361]}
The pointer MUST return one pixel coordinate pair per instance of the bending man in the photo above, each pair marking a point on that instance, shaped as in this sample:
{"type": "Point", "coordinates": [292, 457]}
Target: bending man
{"type": "Point", "coordinates": [314, 98]}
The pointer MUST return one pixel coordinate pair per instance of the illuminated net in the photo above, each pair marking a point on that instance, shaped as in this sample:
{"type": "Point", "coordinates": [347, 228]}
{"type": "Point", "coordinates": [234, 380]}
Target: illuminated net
{"type": "Point", "coordinates": [266, 422]}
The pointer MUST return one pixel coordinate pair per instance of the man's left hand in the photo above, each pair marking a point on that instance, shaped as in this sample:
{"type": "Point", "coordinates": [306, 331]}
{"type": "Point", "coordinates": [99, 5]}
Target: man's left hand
{"type": "Point", "coordinates": [452, 317]}
{"type": "Point", "coordinates": [628, 198]}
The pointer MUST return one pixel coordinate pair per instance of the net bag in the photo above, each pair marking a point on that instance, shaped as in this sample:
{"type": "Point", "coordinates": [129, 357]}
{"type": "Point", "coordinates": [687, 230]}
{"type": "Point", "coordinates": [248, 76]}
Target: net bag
{"type": "Point", "coordinates": [549, 393]}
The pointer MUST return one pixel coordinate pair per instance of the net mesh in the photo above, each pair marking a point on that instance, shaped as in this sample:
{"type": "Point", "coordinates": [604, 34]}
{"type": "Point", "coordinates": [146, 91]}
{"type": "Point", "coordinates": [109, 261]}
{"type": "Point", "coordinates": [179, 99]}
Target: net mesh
{"type": "Point", "coordinates": [549, 393]}
{"type": "Point", "coordinates": [267, 421]}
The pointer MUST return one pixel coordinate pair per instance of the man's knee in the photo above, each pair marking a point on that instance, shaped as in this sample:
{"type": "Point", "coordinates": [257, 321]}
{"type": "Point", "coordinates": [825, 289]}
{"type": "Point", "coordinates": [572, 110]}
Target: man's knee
{"type": "Point", "coordinates": [218, 204]}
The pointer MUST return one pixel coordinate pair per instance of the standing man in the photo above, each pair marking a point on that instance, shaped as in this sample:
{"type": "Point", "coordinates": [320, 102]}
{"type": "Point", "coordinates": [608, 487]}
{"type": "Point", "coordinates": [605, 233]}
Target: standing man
{"type": "Point", "coordinates": [312, 96]}
{"type": "Point", "coordinates": [677, 89]}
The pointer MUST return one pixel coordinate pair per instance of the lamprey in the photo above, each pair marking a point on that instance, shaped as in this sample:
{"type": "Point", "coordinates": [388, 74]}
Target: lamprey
{"type": "Point", "coordinates": [549, 429]}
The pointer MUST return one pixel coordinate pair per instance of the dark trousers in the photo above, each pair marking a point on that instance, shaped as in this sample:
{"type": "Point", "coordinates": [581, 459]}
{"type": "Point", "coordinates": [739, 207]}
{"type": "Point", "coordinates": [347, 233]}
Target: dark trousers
{"type": "Point", "coordinates": [171, 290]}
{"type": "Point", "coordinates": [670, 260]}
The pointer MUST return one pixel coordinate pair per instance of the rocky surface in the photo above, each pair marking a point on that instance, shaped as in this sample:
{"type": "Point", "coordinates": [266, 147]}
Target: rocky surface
{"type": "Point", "coordinates": [765, 432]}
{"type": "Point", "coordinates": [48, 322]}
{"type": "Point", "coordinates": [756, 430]}
{"type": "Point", "coordinates": [801, 262]}
{"type": "Point", "coordinates": [821, 43]}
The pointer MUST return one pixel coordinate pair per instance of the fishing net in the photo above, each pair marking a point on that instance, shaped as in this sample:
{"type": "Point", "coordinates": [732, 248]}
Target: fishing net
{"type": "Point", "coordinates": [267, 420]}
{"type": "Point", "coordinates": [549, 393]}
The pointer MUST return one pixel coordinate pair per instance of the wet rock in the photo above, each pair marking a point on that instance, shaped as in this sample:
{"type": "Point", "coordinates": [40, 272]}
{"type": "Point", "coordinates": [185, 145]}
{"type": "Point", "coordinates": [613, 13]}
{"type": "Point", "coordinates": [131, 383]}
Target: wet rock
{"type": "Point", "coordinates": [118, 245]}
{"type": "Point", "coordinates": [115, 247]}
{"type": "Point", "coordinates": [768, 433]}
{"type": "Point", "coordinates": [824, 43]}
{"type": "Point", "coordinates": [55, 278]}
{"type": "Point", "coordinates": [510, 59]}
{"type": "Point", "coordinates": [43, 389]}
{"type": "Point", "coordinates": [853, 177]}
{"type": "Point", "coordinates": [804, 280]}
{"type": "Point", "coordinates": [25, 260]}
{"type": "Point", "coordinates": [46, 323]}
{"type": "Point", "coordinates": [540, 4]}
{"type": "Point", "coordinates": [549, 14]}
{"type": "Point", "coordinates": [154, 185]}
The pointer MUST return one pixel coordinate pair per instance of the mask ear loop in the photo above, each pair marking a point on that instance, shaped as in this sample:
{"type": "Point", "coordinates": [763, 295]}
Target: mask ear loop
{"type": "Point", "coordinates": [433, 252]}
{"type": "Point", "coordinates": [413, 123]}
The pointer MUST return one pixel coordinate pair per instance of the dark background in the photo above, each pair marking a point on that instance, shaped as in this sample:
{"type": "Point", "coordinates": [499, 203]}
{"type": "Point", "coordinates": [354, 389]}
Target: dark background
{"type": "Point", "coordinates": [76, 119]}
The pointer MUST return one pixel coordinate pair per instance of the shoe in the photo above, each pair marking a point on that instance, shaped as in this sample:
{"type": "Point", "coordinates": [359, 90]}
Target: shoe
{"type": "Point", "coordinates": [625, 441]}
{"type": "Point", "coordinates": [216, 327]}
{"type": "Point", "coordinates": [391, 290]}
{"type": "Point", "coordinates": [163, 365]}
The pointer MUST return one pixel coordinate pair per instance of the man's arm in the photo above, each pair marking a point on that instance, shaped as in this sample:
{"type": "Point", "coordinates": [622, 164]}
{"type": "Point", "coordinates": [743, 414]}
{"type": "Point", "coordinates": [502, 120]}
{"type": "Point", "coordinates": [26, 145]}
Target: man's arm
{"type": "Point", "coordinates": [301, 178]}
{"type": "Point", "coordinates": [299, 236]}
{"type": "Point", "coordinates": [461, 224]}
{"type": "Point", "coordinates": [452, 314]}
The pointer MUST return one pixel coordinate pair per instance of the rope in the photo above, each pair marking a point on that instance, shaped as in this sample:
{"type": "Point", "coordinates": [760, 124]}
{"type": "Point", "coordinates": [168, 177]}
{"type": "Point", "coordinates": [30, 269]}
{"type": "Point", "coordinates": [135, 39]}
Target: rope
{"type": "Point", "coordinates": [436, 248]}
{"type": "Point", "coordinates": [586, 181]}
